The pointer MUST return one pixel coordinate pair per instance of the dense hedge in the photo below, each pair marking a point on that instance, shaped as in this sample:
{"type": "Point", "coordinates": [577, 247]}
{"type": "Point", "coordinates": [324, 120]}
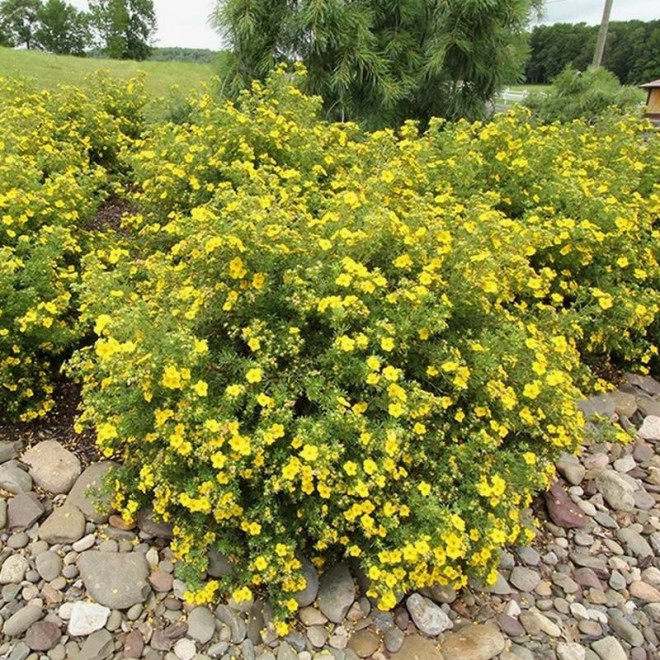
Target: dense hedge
{"type": "Point", "coordinates": [58, 151]}
{"type": "Point", "coordinates": [326, 343]}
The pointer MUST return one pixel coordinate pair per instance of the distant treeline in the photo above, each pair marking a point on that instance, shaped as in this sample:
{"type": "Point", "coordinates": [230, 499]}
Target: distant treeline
{"type": "Point", "coordinates": [632, 52]}
{"type": "Point", "coordinates": [201, 55]}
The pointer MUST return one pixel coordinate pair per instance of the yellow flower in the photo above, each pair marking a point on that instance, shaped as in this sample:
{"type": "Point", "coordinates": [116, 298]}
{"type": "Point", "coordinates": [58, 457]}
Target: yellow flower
{"type": "Point", "coordinates": [172, 378]}
{"type": "Point", "coordinates": [424, 488]}
{"type": "Point", "coordinates": [237, 269]}
{"type": "Point", "coordinates": [201, 388]}
{"type": "Point", "coordinates": [254, 375]}
{"type": "Point", "coordinates": [369, 466]}
{"type": "Point", "coordinates": [396, 409]}
{"type": "Point", "coordinates": [387, 344]}
{"type": "Point", "coordinates": [532, 390]}
{"type": "Point", "coordinates": [309, 453]}
{"type": "Point", "coordinates": [101, 323]}
{"type": "Point", "coordinates": [350, 468]}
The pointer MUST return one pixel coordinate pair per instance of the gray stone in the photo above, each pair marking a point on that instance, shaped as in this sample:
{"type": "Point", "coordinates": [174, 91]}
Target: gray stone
{"type": "Point", "coordinates": [473, 642]}
{"type": "Point", "coordinates": [19, 622]}
{"type": "Point", "coordinates": [616, 491]}
{"type": "Point", "coordinates": [609, 648]}
{"type": "Point", "coordinates": [648, 406]}
{"type": "Point", "coordinates": [571, 469]}
{"type": "Point", "coordinates": [645, 592]}
{"type": "Point", "coordinates": [219, 565]}
{"type": "Point", "coordinates": [24, 510]}
{"type": "Point", "coordinates": [308, 595]}
{"type": "Point", "coordinates": [635, 543]}
{"type": "Point", "coordinates": [571, 651]}
{"type": "Point", "coordinates": [49, 565]}
{"type": "Point", "coordinates": [237, 626]}
{"type": "Point", "coordinates": [535, 623]}
{"type": "Point", "coordinates": [336, 593]}
{"type": "Point", "coordinates": [624, 403]}
{"type": "Point", "coordinates": [9, 450]}
{"type": "Point", "coordinates": [201, 624]}
{"type": "Point", "coordinates": [52, 467]}
{"type": "Point", "coordinates": [147, 524]}
{"type": "Point", "coordinates": [501, 586]}
{"type": "Point", "coordinates": [529, 556]}
{"type": "Point", "coordinates": [65, 525]}
{"type": "Point", "coordinates": [510, 626]}
{"type": "Point", "coordinates": [428, 617]}
{"type": "Point", "coordinates": [86, 492]}
{"type": "Point", "coordinates": [98, 646]}
{"type": "Point", "coordinates": [87, 618]}
{"type": "Point", "coordinates": [524, 579]}
{"type": "Point", "coordinates": [625, 463]}
{"type": "Point", "coordinates": [13, 479]}
{"type": "Point", "coordinates": [3, 513]}
{"type": "Point", "coordinates": [14, 569]}
{"type": "Point", "coordinates": [394, 639]}
{"type": "Point", "coordinates": [626, 630]}
{"type": "Point", "coordinates": [42, 636]}
{"type": "Point", "coordinates": [601, 405]}
{"type": "Point", "coordinates": [597, 564]}
{"type": "Point", "coordinates": [116, 580]}
{"type": "Point", "coordinates": [650, 429]}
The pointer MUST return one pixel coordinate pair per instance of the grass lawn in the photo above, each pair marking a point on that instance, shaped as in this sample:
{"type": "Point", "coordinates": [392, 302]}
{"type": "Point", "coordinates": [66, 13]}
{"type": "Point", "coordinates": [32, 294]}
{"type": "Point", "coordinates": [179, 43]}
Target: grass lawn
{"type": "Point", "coordinates": [48, 71]}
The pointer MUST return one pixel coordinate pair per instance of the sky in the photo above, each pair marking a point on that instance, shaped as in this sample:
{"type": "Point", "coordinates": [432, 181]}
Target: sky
{"type": "Point", "coordinates": [185, 22]}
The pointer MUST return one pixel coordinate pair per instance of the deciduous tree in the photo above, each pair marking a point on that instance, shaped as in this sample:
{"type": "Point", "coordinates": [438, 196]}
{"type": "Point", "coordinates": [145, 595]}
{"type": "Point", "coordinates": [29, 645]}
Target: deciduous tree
{"type": "Point", "coordinates": [124, 28]}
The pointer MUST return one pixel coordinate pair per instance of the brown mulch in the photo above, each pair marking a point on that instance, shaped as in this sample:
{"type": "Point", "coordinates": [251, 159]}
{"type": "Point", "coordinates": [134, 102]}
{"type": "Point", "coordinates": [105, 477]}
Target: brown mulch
{"type": "Point", "coordinates": [56, 425]}
{"type": "Point", "coordinates": [110, 214]}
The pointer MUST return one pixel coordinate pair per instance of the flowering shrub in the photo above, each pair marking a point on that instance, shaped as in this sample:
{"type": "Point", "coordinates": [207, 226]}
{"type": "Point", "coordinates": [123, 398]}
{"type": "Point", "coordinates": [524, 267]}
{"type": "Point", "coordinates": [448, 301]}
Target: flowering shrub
{"type": "Point", "coordinates": [326, 343]}
{"type": "Point", "coordinates": [57, 151]}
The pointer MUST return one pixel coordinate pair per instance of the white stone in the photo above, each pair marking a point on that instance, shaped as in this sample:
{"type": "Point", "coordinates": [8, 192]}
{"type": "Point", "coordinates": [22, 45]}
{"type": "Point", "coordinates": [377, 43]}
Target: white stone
{"type": "Point", "coordinates": [14, 569]}
{"type": "Point", "coordinates": [650, 429]}
{"type": "Point", "coordinates": [428, 617]}
{"type": "Point", "coordinates": [571, 651]}
{"type": "Point", "coordinates": [87, 618]}
{"type": "Point", "coordinates": [185, 649]}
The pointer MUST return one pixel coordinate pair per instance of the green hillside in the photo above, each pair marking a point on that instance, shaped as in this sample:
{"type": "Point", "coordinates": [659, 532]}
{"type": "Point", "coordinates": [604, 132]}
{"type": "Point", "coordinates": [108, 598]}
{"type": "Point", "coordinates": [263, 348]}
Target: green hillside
{"type": "Point", "coordinates": [48, 71]}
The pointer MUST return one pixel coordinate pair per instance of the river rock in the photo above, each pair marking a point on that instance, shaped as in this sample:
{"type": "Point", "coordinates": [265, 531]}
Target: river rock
{"type": "Point", "coordinates": [98, 646]}
{"type": "Point", "coordinates": [13, 479]}
{"type": "Point", "coordinates": [364, 643]}
{"type": "Point", "coordinates": [601, 405]}
{"type": "Point", "coordinates": [428, 617]}
{"type": "Point", "coordinates": [524, 579]}
{"type": "Point", "coordinates": [473, 642]}
{"type": "Point", "coordinates": [24, 510]}
{"type": "Point", "coordinates": [52, 467]}
{"type": "Point", "coordinates": [65, 525]}
{"type": "Point", "coordinates": [86, 493]}
{"type": "Point", "coordinates": [116, 580]}
{"type": "Point", "coordinates": [571, 469]}
{"type": "Point", "coordinates": [308, 595]}
{"type": "Point", "coordinates": [148, 525]}
{"type": "Point", "coordinates": [571, 651]}
{"type": "Point", "coordinates": [616, 491]}
{"type": "Point", "coordinates": [42, 636]}
{"type": "Point", "coordinates": [609, 648]}
{"type": "Point", "coordinates": [19, 622]}
{"type": "Point", "coordinates": [634, 542]}
{"type": "Point", "coordinates": [14, 569]}
{"type": "Point", "coordinates": [49, 565]}
{"type": "Point", "coordinates": [650, 429]}
{"type": "Point", "coordinates": [134, 644]}
{"type": "Point", "coordinates": [417, 647]}
{"type": "Point", "coordinates": [645, 592]}
{"type": "Point", "coordinates": [87, 618]}
{"type": "Point", "coordinates": [201, 624]}
{"type": "Point", "coordinates": [563, 511]}
{"type": "Point", "coordinates": [336, 593]}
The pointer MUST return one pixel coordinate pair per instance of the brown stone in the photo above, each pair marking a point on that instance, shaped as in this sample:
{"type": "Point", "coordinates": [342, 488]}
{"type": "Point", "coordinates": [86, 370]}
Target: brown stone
{"type": "Point", "coordinates": [417, 648]}
{"type": "Point", "coordinates": [118, 522]}
{"type": "Point", "coordinates": [134, 644]}
{"type": "Point", "coordinates": [364, 643]}
{"type": "Point", "coordinates": [563, 511]}
{"type": "Point", "coordinates": [42, 636]}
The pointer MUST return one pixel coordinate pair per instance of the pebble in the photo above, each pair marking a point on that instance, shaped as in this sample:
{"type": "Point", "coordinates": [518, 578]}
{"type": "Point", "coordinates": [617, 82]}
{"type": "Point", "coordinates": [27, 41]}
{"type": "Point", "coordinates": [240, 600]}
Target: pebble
{"type": "Point", "coordinates": [42, 636]}
{"type": "Point", "coordinates": [65, 525]}
{"type": "Point", "coordinates": [428, 617]}
{"type": "Point", "coordinates": [473, 642]}
{"type": "Point", "coordinates": [14, 479]}
{"type": "Point", "coordinates": [336, 593]}
{"type": "Point", "coordinates": [86, 618]}
{"type": "Point", "coordinates": [20, 621]}
{"type": "Point", "coordinates": [49, 565]}
{"type": "Point", "coordinates": [609, 648]}
{"type": "Point", "coordinates": [524, 579]}
{"type": "Point", "coordinates": [13, 570]}
{"type": "Point", "coordinates": [201, 624]}
{"type": "Point", "coordinates": [24, 510]}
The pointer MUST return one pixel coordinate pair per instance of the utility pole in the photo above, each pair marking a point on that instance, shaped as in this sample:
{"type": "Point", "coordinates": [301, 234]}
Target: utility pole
{"type": "Point", "coordinates": [602, 34]}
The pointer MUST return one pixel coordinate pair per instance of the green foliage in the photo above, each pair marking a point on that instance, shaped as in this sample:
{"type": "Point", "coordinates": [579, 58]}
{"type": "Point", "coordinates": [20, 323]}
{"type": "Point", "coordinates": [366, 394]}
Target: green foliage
{"type": "Point", "coordinates": [582, 95]}
{"type": "Point", "coordinates": [381, 62]}
{"type": "Point", "coordinates": [57, 154]}
{"type": "Point", "coordinates": [326, 342]}
{"type": "Point", "coordinates": [18, 21]}
{"type": "Point", "coordinates": [62, 29]}
{"type": "Point", "coordinates": [202, 55]}
{"type": "Point", "coordinates": [632, 53]}
{"type": "Point", "coordinates": [124, 28]}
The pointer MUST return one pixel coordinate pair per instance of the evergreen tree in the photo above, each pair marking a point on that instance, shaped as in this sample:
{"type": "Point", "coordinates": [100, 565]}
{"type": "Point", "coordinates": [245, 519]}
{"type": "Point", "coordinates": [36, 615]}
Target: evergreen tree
{"type": "Point", "coordinates": [125, 28]}
{"type": "Point", "coordinates": [62, 29]}
{"type": "Point", "coordinates": [382, 61]}
{"type": "Point", "coordinates": [18, 21]}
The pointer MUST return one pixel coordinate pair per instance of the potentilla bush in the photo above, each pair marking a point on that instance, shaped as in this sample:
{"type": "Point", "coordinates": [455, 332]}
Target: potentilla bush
{"type": "Point", "coordinates": [323, 343]}
{"type": "Point", "coordinates": [58, 154]}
